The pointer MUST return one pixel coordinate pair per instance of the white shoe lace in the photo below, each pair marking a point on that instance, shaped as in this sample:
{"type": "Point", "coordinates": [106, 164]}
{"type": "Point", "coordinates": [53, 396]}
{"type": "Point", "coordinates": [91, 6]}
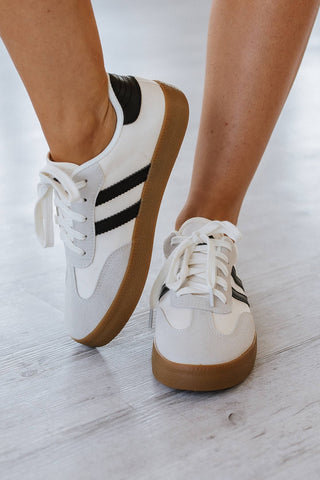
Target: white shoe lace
{"type": "Point", "coordinates": [197, 265]}
{"type": "Point", "coordinates": [54, 179]}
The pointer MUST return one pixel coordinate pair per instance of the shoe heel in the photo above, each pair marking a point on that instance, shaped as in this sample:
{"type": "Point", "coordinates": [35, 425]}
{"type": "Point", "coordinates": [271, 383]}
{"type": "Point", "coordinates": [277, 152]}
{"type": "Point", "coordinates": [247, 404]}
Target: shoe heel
{"type": "Point", "coordinates": [166, 151]}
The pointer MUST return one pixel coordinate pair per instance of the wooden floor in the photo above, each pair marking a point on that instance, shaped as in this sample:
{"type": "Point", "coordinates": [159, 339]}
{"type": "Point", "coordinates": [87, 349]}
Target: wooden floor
{"type": "Point", "coordinates": [69, 412]}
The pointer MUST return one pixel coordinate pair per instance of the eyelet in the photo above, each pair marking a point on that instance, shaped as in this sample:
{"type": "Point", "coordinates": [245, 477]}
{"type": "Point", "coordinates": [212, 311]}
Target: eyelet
{"type": "Point", "coordinates": [85, 199]}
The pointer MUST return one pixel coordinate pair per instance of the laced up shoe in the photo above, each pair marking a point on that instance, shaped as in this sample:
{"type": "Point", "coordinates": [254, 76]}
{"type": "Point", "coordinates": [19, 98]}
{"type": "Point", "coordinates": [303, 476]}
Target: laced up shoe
{"type": "Point", "coordinates": [205, 335]}
{"type": "Point", "coordinates": [107, 208]}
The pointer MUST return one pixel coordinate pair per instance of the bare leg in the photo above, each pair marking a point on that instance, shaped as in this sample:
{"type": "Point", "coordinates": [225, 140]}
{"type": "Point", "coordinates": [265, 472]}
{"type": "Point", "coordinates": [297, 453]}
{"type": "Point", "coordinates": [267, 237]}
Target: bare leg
{"type": "Point", "coordinates": [56, 49]}
{"type": "Point", "coordinates": [254, 52]}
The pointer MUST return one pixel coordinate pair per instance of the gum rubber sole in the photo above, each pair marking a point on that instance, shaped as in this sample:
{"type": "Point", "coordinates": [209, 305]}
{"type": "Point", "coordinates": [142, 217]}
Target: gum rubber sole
{"type": "Point", "coordinates": [203, 378]}
{"type": "Point", "coordinates": [166, 151]}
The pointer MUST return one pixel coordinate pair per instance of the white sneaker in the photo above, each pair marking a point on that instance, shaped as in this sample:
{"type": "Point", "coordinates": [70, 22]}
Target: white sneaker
{"type": "Point", "coordinates": [205, 335]}
{"type": "Point", "coordinates": [107, 208]}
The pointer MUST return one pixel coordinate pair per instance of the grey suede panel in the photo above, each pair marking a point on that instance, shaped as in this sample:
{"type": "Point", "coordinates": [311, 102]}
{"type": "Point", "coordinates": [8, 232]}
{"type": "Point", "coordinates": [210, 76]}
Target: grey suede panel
{"type": "Point", "coordinates": [199, 302]}
{"type": "Point", "coordinates": [167, 247]}
{"type": "Point", "coordinates": [182, 346]}
{"type": "Point", "coordinates": [83, 315]}
{"type": "Point", "coordinates": [94, 176]}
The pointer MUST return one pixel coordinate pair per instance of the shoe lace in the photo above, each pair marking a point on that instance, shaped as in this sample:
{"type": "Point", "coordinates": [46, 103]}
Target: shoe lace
{"type": "Point", "coordinates": [198, 265]}
{"type": "Point", "coordinates": [54, 179]}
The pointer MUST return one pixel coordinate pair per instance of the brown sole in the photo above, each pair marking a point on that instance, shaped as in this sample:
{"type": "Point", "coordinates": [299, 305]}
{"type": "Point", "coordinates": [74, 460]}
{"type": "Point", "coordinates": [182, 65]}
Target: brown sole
{"type": "Point", "coordinates": [203, 378]}
{"type": "Point", "coordinates": [164, 156]}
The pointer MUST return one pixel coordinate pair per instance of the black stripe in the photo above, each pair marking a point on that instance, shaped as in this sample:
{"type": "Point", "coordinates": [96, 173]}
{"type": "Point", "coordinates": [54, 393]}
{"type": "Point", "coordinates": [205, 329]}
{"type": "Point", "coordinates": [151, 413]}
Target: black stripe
{"type": "Point", "coordinates": [118, 219]}
{"type": "Point", "coordinates": [237, 295]}
{"type": "Point", "coordinates": [128, 93]}
{"type": "Point", "coordinates": [123, 186]}
{"type": "Point", "coordinates": [236, 278]}
{"type": "Point", "coordinates": [164, 290]}
{"type": "Point", "coordinates": [240, 296]}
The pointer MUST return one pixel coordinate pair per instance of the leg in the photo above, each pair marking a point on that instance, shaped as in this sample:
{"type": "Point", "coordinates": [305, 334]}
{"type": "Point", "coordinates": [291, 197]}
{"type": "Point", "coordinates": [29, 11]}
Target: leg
{"type": "Point", "coordinates": [56, 49]}
{"type": "Point", "coordinates": [107, 207]}
{"type": "Point", "coordinates": [205, 333]}
{"type": "Point", "coordinates": [254, 51]}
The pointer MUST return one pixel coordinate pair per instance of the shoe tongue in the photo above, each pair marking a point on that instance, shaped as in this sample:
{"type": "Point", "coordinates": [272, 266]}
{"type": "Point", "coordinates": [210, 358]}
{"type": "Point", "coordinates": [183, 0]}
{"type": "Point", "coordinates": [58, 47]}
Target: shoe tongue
{"type": "Point", "coordinates": [192, 225]}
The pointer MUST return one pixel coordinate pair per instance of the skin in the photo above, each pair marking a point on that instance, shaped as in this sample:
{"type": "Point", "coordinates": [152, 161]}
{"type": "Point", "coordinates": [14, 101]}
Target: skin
{"type": "Point", "coordinates": [254, 52]}
{"type": "Point", "coordinates": [56, 49]}
{"type": "Point", "coordinates": [253, 55]}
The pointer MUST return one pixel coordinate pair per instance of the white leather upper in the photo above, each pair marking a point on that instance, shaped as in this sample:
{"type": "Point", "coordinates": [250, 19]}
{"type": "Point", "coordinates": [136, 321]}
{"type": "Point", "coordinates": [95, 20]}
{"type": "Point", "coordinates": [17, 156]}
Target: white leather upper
{"type": "Point", "coordinates": [132, 151]}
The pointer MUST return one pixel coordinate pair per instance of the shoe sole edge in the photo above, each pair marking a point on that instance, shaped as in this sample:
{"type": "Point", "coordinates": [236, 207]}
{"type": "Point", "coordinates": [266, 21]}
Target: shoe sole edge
{"type": "Point", "coordinates": [166, 151]}
{"type": "Point", "coordinates": [203, 377]}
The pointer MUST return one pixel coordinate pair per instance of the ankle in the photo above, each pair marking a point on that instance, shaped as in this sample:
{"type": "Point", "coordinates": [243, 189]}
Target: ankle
{"type": "Point", "coordinates": [83, 135]}
{"type": "Point", "coordinates": [221, 213]}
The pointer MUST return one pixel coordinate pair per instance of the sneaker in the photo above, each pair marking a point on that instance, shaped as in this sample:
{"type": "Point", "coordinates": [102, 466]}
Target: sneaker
{"type": "Point", "coordinates": [107, 208]}
{"type": "Point", "coordinates": [205, 335]}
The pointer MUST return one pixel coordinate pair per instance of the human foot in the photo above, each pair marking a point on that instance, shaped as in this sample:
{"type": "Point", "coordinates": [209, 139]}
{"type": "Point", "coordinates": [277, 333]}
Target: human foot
{"type": "Point", "coordinates": [205, 335]}
{"type": "Point", "coordinates": [107, 207]}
